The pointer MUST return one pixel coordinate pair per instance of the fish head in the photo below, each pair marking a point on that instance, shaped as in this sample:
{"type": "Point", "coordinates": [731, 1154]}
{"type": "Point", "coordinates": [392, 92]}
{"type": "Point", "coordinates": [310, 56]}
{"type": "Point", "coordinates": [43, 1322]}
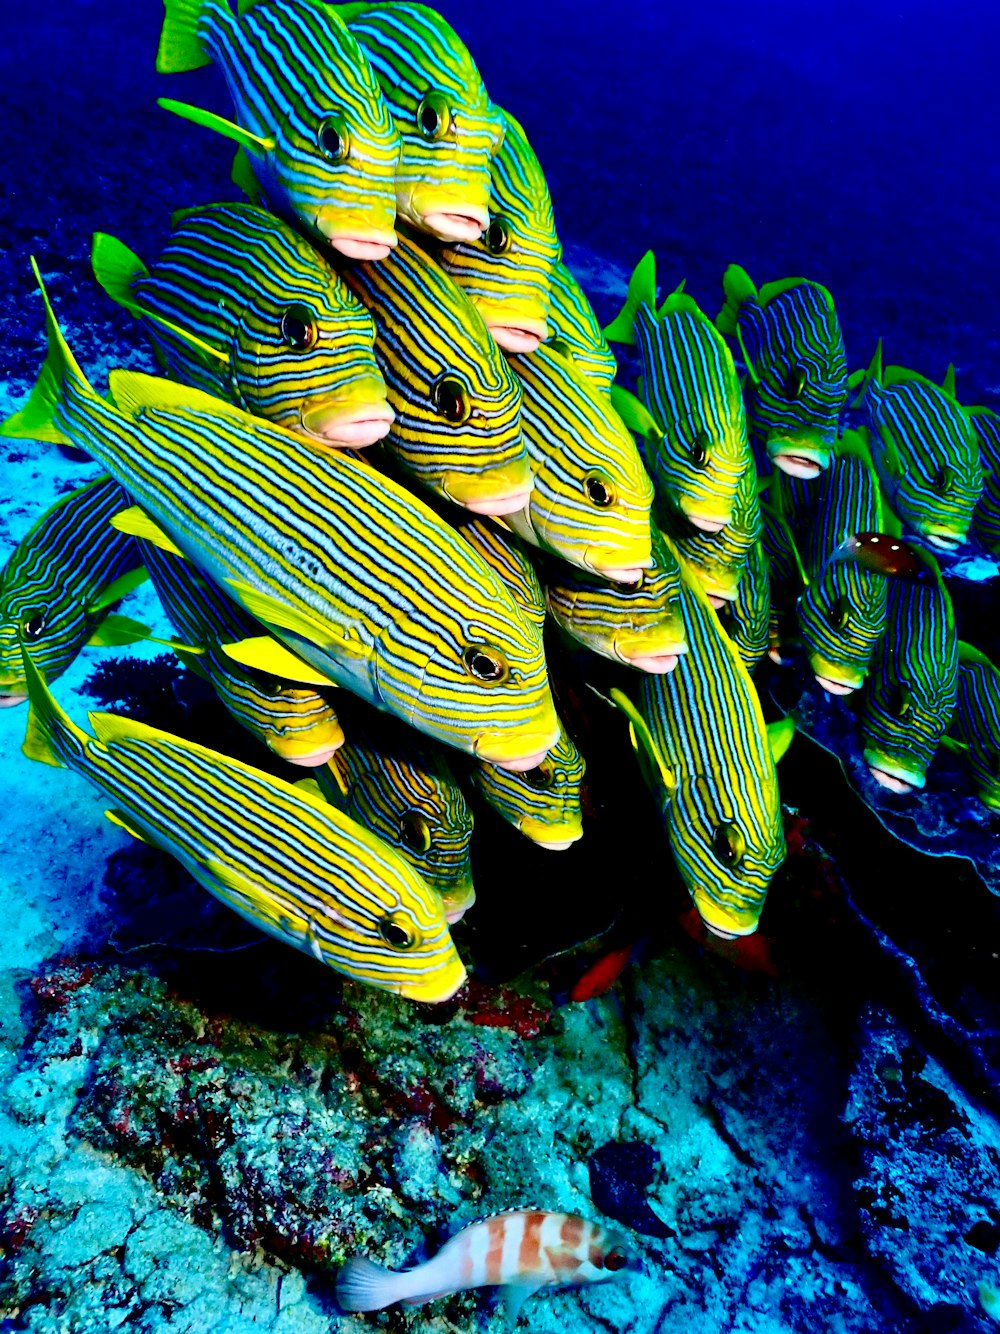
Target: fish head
{"type": "Point", "coordinates": [303, 356]}
{"type": "Point", "coordinates": [333, 167]}
{"type": "Point", "coordinates": [404, 945]}
{"type": "Point", "coordinates": [543, 802]}
{"type": "Point", "coordinates": [297, 723]}
{"type": "Point", "coordinates": [841, 617]}
{"type": "Point", "coordinates": [728, 842]}
{"type": "Point", "coordinates": [52, 622]}
{"type": "Point", "coordinates": [700, 459]}
{"type": "Point", "coordinates": [908, 702]}
{"type": "Point", "coordinates": [576, 333]}
{"type": "Point", "coordinates": [474, 680]}
{"type": "Point", "coordinates": [592, 497]}
{"type": "Point", "coordinates": [801, 453]}
{"type": "Point", "coordinates": [609, 1255]}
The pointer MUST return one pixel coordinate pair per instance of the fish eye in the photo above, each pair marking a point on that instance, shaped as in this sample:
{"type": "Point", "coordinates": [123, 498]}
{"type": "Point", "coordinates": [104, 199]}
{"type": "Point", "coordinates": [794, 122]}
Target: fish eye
{"type": "Point", "coordinates": [540, 778]}
{"type": "Point", "coordinates": [728, 844]}
{"type": "Point", "coordinates": [434, 116]}
{"type": "Point", "coordinates": [838, 614]}
{"type": "Point", "coordinates": [599, 491]}
{"type": "Point", "coordinates": [498, 236]}
{"type": "Point", "coordinates": [451, 399]}
{"type": "Point", "coordinates": [560, 347]}
{"type": "Point", "coordinates": [334, 140]}
{"type": "Point", "coordinates": [415, 832]}
{"type": "Point", "coordinates": [33, 627]}
{"type": "Point", "coordinates": [396, 931]}
{"type": "Point", "coordinates": [943, 479]}
{"type": "Point", "coordinates": [699, 450]}
{"type": "Point", "coordinates": [616, 1259]}
{"type": "Point", "coordinates": [486, 663]}
{"type": "Point", "coordinates": [795, 382]}
{"type": "Point", "coordinates": [298, 328]}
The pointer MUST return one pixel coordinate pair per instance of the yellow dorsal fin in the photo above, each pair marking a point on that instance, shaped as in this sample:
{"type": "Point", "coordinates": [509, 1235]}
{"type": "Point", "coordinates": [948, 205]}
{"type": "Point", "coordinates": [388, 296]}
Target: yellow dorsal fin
{"type": "Point", "coordinates": [137, 522]}
{"type": "Point", "coordinates": [770, 290]}
{"type": "Point", "coordinates": [264, 653]}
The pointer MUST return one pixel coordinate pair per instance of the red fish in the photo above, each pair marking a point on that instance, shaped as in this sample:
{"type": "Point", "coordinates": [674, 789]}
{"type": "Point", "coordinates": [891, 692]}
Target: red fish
{"type": "Point", "coordinates": [602, 975]}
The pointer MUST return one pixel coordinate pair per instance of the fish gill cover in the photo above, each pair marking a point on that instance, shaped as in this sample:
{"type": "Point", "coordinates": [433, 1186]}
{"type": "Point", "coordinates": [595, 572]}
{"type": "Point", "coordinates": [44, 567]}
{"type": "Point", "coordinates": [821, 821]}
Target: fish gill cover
{"type": "Point", "coordinates": [658, 1096]}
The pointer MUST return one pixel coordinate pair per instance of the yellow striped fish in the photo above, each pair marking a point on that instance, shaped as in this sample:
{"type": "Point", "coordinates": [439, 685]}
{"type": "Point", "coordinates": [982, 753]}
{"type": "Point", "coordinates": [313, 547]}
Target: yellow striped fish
{"type": "Point", "coordinates": [243, 307]}
{"type": "Point", "coordinates": [348, 569]}
{"type": "Point", "coordinates": [60, 582]}
{"type": "Point", "coordinates": [796, 369]}
{"type": "Point", "coordinates": [387, 778]}
{"type": "Point", "coordinates": [542, 803]}
{"type": "Point", "coordinates": [924, 449]}
{"type": "Point", "coordinates": [986, 517]}
{"type": "Point", "coordinates": [310, 117]}
{"type": "Point", "coordinates": [976, 722]}
{"type": "Point", "coordinates": [295, 721]}
{"type": "Point", "coordinates": [639, 624]}
{"type": "Point", "coordinates": [910, 691]}
{"type": "Point", "coordinates": [747, 619]}
{"type": "Point", "coordinates": [449, 126]}
{"type": "Point", "coordinates": [287, 862]}
{"type": "Point", "coordinates": [457, 429]}
{"type": "Point", "coordinates": [591, 498]}
{"type": "Point", "coordinates": [502, 552]}
{"type": "Point", "coordinates": [718, 560]}
{"type": "Point", "coordinates": [707, 755]}
{"type": "Point", "coordinates": [575, 331]}
{"type": "Point", "coordinates": [507, 273]}
{"type": "Point", "coordinates": [697, 448]}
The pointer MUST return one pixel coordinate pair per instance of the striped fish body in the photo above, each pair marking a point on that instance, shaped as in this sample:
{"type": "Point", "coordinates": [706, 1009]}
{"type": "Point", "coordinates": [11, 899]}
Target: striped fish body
{"type": "Point", "coordinates": [842, 612]}
{"type": "Point", "coordinates": [348, 569]}
{"type": "Point", "coordinates": [785, 581]}
{"type": "Point", "coordinates": [542, 803]}
{"type": "Point", "coordinates": [925, 452]}
{"type": "Point", "coordinates": [575, 332]}
{"type": "Point", "coordinates": [715, 776]}
{"type": "Point", "coordinates": [503, 553]}
{"type": "Point", "coordinates": [58, 584]}
{"type": "Point", "coordinates": [450, 129]}
{"type": "Point", "coordinates": [289, 864]}
{"type": "Point", "coordinates": [296, 722]}
{"type": "Point", "coordinates": [403, 790]}
{"type": "Point", "coordinates": [639, 624]}
{"type": "Point", "coordinates": [976, 721]}
{"type": "Point", "coordinates": [523, 1251]}
{"type": "Point", "coordinates": [986, 517]}
{"type": "Point", "coordinates": [747, 619]}
{"type": "Point", "coordinates": [718, 560]}
{"type": "Point", "coordinates": [457, 403]}
{"type": "Point", "coordinates": [591, 498]}
{"type": "Point", "coordinates": [322, 145]}
{"type": "Point", "coordinates": [507, 272]}
{"type": "Point", "coordinates": [241, 306]}
{"type": "Point", "coordinates": [797, 368]}
{"type": "Point", "coordinates": [911, 687]}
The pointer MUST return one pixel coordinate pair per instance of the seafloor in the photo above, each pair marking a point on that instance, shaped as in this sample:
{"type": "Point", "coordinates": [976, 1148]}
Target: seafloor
{"type": "Point", "coordinates": [195, 1124]}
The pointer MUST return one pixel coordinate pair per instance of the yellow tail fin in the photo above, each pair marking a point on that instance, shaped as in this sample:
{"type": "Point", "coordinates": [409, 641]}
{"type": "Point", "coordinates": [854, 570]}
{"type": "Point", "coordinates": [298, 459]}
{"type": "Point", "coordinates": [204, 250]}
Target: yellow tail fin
{"type": "Point", "coordinates": [181, 48]}
{"type": "Point", "coordinates": [46, 720]}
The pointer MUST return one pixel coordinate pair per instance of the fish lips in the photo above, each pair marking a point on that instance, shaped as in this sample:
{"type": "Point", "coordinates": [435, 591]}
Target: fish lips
{"type": "Point", "coordinates": [459, 221]}
{"type": "Point", "coordinates": [518, 753]}
{"type": "Point", "coordinates": [722, 925]}
{"type": "Point", "coordinates": [836, 678]}
{"type": "Point", "coordinates": [798, 458]}
{"type": "Point", "coordinates": [370, 245]}
{"type": "Point", "coordinates": [9, 699]}
{"type": "Point", "coordinates": [891, 774]}
{"type": "Point", "coordinates": [644, 654]}
{"type": "Point", "coordinates": [943, 539]}
{"type": "Point", "coordinates": [347, 425]}
{"type": "Point", "coordinates": [438, 988]}
{"type": "Point", "coordinates": [706, 522]}
{"type": "Point", "coordinates": [599, 560]}
{"type": "Point", "coordinates": [517, 335]}
{"type": "Point", "coordinates": [312, 759]}
{"type": "Point", "coordinates": [552, 837]}
{"type": "Point", "coordinates": [505, 492]}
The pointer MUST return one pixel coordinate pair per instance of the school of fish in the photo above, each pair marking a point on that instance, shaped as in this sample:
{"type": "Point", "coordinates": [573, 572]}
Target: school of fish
{"type": "Point", "coordinates": [390, 447]}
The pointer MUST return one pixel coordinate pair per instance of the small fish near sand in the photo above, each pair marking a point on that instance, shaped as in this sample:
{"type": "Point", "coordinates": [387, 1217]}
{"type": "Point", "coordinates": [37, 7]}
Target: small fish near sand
{"type": "Point", "coordinates": [521, 1251]}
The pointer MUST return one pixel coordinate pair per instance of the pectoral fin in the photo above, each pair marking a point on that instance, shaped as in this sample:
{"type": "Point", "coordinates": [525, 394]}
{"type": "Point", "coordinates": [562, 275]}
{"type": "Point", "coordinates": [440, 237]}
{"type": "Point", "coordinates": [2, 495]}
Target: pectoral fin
{"type": "Point", "coordinates": [514, 1297]}
{"type": "Point", "coordinates": [137, 522]}
{"type": "Point", "coordinates": [217, 123]}
{"type": "Point", "coordinates": [114, 631]}
{"type": "Point", "coordinates": [264, 653]}
{"type": "Point", "coordinates": [115, 592]}
{"type": "Point", "coordinates": [779, 736]}
{"type": "Point", "coordinates": [274, 612]}
{"type": "Point", "coordinates": [654, 767]}
{"type": "Point", "coordinates": [123, 822]}
{"type": "Point", "coordinates": [634, 414]}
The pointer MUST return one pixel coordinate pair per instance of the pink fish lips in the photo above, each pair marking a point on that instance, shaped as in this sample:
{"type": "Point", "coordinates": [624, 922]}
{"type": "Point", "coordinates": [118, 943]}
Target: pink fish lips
{"type": "Point", "coordinates": [465, 222]}
{"type": "Point", "coordinates": [370, 246]}
{"type": "Point", "coordinates": [523, 336]}
{"type": "Point", "coordinates": [348, 426]}
{"type": "Point", "coordinates": [9, 698]}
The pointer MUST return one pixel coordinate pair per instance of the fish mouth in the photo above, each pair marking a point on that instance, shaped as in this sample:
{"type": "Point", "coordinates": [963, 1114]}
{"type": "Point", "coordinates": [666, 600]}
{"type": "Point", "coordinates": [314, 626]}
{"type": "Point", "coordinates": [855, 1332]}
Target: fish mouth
{"type": "Point", "coordinates": [888, 774]}
{"type": "Point", "coordinates": [598, 561]}
{"type": "Point", "coordinates": [461, 222]}
{"type": "Point", "coordinates": [523, 336]}
{"type": "Point", "coordinates": [457, 902]}
{"type": "Point", "coordinates": [943, 539]}
{"type": "Point", "coordinates": [797, 458]}
{"type": "Point", "coordinates": [347, 425]}
{"type": "Point", "coordinates": [707, 523]}
{"type": "Point", "coordinates": [311, 759]}
{"type": "Point", "coordinates": [9, 699]}
{"type": "Point", "coordinates": [833, 686]}
{"type": "Point", "coordinates": [719, 600]}
{"type": "Point", "coordinates": [518, 753]}
{"type": "Point", "coordinates": [644, 657]}
{"type": "Point", "coordinates": [367, 245]}
{"type": "Point", "coordinates": [438, 991]}
{"type": "Point", "coordinates": [722, 925]}
{"type": "Point", "coordinates": [552, 837]}
{"type": "Point", "coordinates": [834, 678]}
{"type": "Point", "coordinates": [503, 493]}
